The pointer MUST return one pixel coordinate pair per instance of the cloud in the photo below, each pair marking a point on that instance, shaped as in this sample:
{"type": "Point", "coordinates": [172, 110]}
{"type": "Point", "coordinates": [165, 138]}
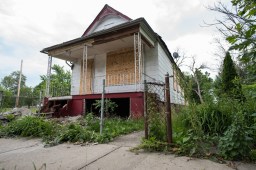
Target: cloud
{"type": "Point", "coordinates": [202, 49]}
{"type": "Point", "coordinates": [28, 26]}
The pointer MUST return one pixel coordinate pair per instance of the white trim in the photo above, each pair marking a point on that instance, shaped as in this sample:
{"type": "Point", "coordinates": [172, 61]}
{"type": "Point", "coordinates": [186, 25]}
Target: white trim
{"type": "Point", "coordinates": [147, 37]}
{"type": "Point", "coordinates": [60, 98]}
{"type": "Point", "coordinates": [85, 78]}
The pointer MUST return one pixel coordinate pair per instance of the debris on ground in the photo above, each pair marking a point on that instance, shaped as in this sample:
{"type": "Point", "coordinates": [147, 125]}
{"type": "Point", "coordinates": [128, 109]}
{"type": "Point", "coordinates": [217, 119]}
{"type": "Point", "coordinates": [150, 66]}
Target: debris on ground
{"type": "Point", "coordinates": [68, 119]}
{"type": "Point", "coordinates": [19, 112]}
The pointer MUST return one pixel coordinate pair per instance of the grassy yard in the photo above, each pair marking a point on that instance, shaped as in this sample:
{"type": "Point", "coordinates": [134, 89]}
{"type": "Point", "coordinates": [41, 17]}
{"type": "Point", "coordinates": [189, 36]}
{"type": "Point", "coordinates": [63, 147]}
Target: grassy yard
{"type": "Point", "coordinates": [85, 129]}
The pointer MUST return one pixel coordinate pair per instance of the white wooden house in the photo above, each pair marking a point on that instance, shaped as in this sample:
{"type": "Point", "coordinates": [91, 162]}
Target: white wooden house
{"type": "Point", "coordinates": [122, 51]}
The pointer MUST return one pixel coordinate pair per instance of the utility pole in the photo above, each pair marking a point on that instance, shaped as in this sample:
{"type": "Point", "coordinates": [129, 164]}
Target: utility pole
{"type": "Point", "coordinates": [18, 94]}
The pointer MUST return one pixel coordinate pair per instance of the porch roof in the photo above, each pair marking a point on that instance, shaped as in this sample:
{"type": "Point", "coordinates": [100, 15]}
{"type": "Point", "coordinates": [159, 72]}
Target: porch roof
{"type": "Point", "coordinates": [130, 27]}
{"type": "Point", "coordinates": [91, 37]}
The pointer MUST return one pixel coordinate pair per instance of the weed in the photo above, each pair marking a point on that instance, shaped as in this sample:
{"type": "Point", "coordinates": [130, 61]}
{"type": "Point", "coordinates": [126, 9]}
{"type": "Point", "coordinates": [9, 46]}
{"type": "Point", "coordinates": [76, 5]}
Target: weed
{"type": "Point", "coordinates": [236, 141]}
{"type": "Point", "coordinates": [109, 108]}
{"type": "Point", "coordinates": [86, 130]}
{"type": "Point", "coordinates": [152, 144]}
{"type": "Point", "coordinates": [28, 126]}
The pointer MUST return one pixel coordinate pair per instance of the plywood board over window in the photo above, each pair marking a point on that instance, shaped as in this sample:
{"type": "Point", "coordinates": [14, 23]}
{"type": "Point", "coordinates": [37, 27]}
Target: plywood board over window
{"type": "Point", "coordinates": [88, 76]}
{"type": "Point", "coordinates": [174, 80]}
{"type": "Point", "coordinates": [120, 67]}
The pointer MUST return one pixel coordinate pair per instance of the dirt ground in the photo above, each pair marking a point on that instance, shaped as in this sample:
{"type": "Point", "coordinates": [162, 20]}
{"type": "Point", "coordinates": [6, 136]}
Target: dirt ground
{"type": "Point", "coordinates": [31, 154]}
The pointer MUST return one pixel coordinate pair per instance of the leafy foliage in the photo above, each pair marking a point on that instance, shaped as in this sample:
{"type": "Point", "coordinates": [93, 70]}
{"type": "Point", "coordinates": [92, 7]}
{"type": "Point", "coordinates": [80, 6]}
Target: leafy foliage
{"type": "Point", "coordinates": [109, 106]}
{"type": "Point", "coordinates": [28, 126]}
{"type": "Point", "coordinates": [11, 81]}
{"type": "Point", "coordinates": [190, 86]}
{"type": "Point", "coordinates": [236, 141]}
{"type": "Point", "coordinates": [230, 84]}
{"type": "Point", "coordinates": [86, 130]}
{"type": "Point", "coordinates": [239, 27]}
{"type": "Point", "coordinates": [152, 144]}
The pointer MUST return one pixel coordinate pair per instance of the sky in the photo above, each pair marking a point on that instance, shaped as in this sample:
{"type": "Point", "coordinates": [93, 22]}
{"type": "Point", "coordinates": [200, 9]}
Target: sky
{"type": "Point", "coordinates": [28, 26]}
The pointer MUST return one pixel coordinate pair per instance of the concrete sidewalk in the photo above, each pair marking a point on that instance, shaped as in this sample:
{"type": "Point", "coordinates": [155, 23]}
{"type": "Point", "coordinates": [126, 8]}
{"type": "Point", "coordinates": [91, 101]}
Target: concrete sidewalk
{"type": "Point", "coordinates": [25, 154]}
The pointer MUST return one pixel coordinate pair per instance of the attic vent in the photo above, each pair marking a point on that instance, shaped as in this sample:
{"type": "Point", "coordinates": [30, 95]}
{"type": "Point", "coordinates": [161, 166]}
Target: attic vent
{"type": "Point", "coordinates": [108, 25]}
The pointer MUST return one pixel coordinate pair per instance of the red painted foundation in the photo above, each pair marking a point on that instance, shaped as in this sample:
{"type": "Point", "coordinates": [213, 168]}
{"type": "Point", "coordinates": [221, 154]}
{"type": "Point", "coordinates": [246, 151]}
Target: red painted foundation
{"type": "Point", "coordinates": [136, 102]}
{"type": "Point", "coordinates": [75, 106]}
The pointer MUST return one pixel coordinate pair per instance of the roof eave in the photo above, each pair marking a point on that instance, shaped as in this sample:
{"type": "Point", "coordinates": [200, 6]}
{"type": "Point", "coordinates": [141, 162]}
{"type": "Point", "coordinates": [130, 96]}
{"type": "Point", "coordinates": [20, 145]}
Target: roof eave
{"type": "Point", "coordinates": [91, 36]}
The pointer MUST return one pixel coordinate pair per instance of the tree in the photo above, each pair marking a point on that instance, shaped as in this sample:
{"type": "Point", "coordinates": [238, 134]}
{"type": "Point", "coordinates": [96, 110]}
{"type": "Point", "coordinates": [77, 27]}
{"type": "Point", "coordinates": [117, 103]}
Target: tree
{"type": "Point", "coordinates": [228, 73]}
{"type": "Point", "coordinates": [60, 82]}
{"type": "Point", "coordinates": [11, 82]}
{"type": "Point", "coordinates": [230, 84]}
{"type": "Point", "coordinates": [180, 57]}
{"type": "Point", "coordinates": [198, 78]}
{"type": "Point", "coordinates": [198, 91]}
{"type": "Point", "coordinates": [239, 28]}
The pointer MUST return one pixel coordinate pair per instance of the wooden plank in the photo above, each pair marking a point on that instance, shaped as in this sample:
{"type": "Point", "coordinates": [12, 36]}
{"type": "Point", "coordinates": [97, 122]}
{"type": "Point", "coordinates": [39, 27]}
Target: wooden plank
{"type": "Point", "coordinates": [89, 76]}
{"type": "Point", "coordinates": [120, 67]}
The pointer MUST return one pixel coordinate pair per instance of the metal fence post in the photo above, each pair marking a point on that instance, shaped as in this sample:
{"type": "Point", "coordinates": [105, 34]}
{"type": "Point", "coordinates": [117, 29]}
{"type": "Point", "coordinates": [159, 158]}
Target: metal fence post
{"type": "Point", "coordinates": [102, 106]}
{"type": "Point", "coordinates": [1, 97]}
{"type": "Point", "coordinates": [168, 109]}
{"type": "Point", "coordinates": [145, 109]}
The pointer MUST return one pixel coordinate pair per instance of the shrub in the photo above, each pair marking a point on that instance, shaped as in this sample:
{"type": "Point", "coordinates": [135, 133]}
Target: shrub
{"type": "Point", "coordinates": [236, 142]}
{"type": "Point", "coordinates": [29, 126]}
{"type": "Point", "coordinates": [75, 133]}
{"type": "Point", "coordinates": [86, 130]}
{"type": "Point", "coordinates": [109, 106]}
{"type": "Point", "coordinates": [227, 125]}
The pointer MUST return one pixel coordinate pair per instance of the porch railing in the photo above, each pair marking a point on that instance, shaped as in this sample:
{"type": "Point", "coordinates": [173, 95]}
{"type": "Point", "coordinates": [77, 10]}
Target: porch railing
{"type": "Point", "coordinates": [59, 91]}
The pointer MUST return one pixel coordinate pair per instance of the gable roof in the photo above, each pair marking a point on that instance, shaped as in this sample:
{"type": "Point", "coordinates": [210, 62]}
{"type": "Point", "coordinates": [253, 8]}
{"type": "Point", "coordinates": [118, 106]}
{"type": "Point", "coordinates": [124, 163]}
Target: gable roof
{"type": "Point", "coordinates": [140, 21]}
{"type": "Point", "coordinates": [106, 10]}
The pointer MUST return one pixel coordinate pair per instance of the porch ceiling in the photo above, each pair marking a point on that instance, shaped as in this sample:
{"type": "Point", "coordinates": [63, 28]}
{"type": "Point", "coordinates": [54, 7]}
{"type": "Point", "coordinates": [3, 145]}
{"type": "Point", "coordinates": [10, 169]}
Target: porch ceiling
{"type": "Point", "coordinates": [77, 52]}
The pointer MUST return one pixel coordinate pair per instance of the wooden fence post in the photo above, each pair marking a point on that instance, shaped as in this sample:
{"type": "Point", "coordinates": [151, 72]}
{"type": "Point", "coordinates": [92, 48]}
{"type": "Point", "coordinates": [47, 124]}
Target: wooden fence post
{"type": "Point", "coordinates": [145, 109]}
{"type": "Point", "coordinates": [168, 109]}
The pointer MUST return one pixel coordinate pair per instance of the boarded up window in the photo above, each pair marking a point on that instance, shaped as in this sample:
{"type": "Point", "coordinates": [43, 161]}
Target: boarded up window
{"type": "Point", "coordinates": [175, 80]}
{"type": "Point", "coordinates": [120, 67]}
{"type": "Point", "coordinates": [88, 76]}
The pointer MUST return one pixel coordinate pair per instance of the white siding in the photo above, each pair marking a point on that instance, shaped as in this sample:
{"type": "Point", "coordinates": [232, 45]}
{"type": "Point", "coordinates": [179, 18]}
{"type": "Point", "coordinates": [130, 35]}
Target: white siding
{"type": "Point", "coordinates": [150, 64]}
{"type": "Point", "coordinates": [100, 72]}
{"type": "Point", "coordinates": [164, 66]}
{"type": "Point", "coordinates": [108, 22]}
{"type": "Point", "coordinates": [75, 79]}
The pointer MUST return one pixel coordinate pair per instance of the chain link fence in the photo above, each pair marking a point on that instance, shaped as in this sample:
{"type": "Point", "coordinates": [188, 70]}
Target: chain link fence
{"type": "Point", "coordinates": [24, 101]}
{"type": "Point", "coordinates": [158, 110]}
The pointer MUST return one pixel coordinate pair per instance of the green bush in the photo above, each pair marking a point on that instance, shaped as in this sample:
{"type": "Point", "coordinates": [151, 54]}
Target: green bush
{"type": "Point", "coordinates": [92, 123]}
{"type": "Point", "coordinates": [227, 126]}
{"type": "Point", "coordinates": [157, 126]}
{"type": "Point", "coordinates": [236, 142]}
{"type": "Point", "coordinates": [86, 130]}
{"type": "Point", "coordinates": [75, 133]}
{"type": "Point", "coordinates": [29, 126]}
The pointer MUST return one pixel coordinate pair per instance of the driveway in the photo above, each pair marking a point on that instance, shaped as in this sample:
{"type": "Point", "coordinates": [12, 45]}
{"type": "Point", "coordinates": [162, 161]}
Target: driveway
{"type": "Point", "coordinates": [31, 154]}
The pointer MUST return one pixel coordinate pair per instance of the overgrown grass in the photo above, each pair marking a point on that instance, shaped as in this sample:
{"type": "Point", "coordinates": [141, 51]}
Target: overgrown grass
{"type": "Point", "coordinates": [221, 130]}
{"type": "Point", "coordinates": [85, 130]}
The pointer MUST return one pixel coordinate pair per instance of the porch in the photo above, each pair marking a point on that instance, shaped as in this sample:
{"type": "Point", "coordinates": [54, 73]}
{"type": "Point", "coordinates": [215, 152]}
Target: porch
{"type": "Point", "coordinates": [120, 62]}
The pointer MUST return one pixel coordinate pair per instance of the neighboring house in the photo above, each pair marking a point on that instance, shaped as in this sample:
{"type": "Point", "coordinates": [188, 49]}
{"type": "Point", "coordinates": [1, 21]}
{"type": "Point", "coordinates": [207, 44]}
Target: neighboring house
{"type": "Point", "coordinates": [122, 51]}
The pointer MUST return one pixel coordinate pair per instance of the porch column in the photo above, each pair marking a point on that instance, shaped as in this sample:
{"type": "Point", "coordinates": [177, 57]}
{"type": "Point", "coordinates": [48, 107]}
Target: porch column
{"type": "Point", "coordinates": [47, 91]}
{"type": "Point", "coordinates": [137, 60]}
{"type": "Point", "coordinates": [84, 74]}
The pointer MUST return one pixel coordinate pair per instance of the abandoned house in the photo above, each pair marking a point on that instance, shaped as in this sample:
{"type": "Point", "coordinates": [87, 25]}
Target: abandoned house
{"type": "Point", "coordinates": [124, 52]}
